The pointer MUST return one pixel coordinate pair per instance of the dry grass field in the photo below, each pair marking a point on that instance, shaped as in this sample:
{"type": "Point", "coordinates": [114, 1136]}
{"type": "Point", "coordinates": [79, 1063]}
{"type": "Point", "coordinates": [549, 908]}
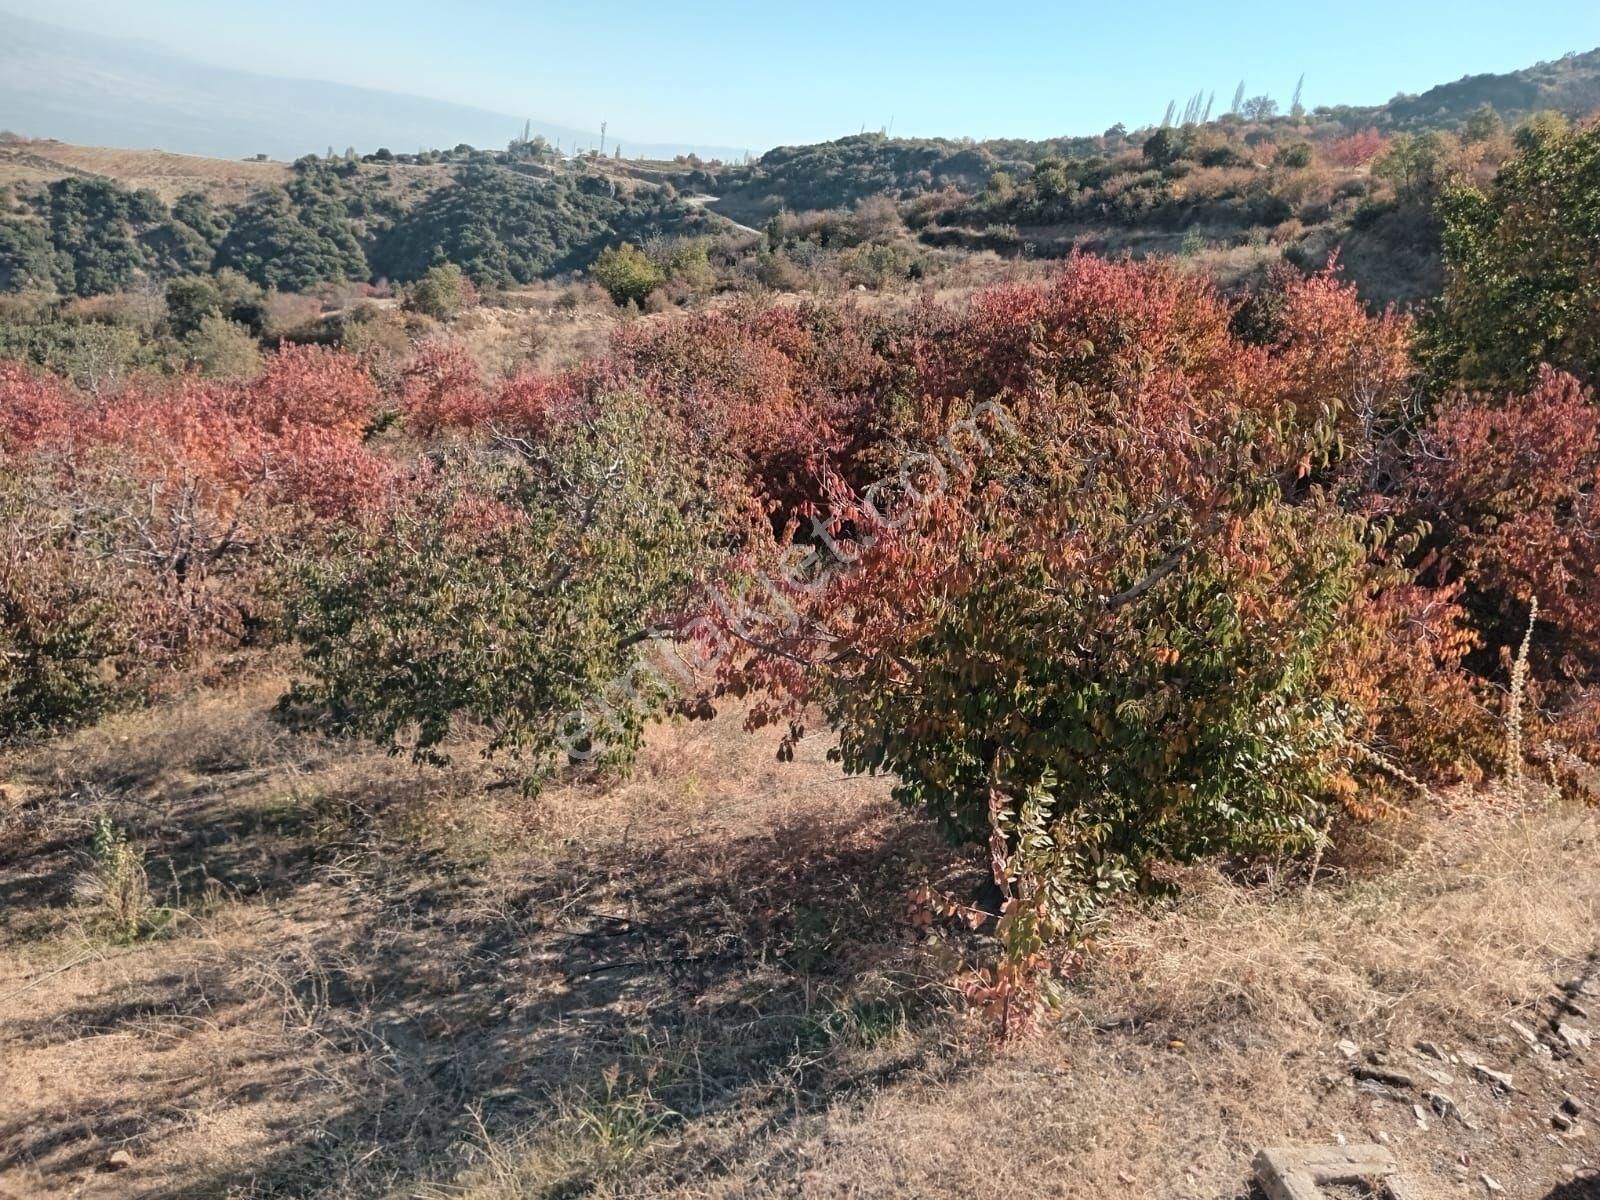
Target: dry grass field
{"type": "Point", "coordinates": [353, 977]}
{"type": "Point", "coordinates": [168, 175]}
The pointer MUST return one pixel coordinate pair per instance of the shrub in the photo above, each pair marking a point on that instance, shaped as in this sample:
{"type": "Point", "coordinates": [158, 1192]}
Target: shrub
{"type": "Point", "coordinates": [63, 617]}
{"type": "Point", "coordinates": [1512, 488]}
{"type": "Point", "coordinates": [1357, 150]}
{"type": "Point", "coordinates": [146, 525]}
{"type": "Point", "coordinates": [223, 350]}
{"type": "Point", "coordinates": [1294, 157]}
{"type": "Point", "coordinates": [1123, 634]}
{"type": "Point", "coordinates": [1521, 287]}
{"type": "Point", "coordinates": [508, 593]}
{"type": "Point", "coordinates": [117, 883]}
{"type": "Point", "coordinates": [1164, 146]}
{"type": "Point", "coordinates": [626, 273]}
{"type": "Point", "coordinates": [442, 293]}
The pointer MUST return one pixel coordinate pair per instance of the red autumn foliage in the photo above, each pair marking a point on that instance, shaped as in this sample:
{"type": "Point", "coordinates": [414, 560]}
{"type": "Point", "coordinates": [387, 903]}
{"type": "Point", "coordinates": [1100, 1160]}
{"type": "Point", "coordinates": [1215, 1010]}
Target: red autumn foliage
{"type": "Point", "coordinates": [784, 391]}
{"type": "Point", "coordinates": [1513, 488]}
{"type": "Point", "coordinates": [1357, 150]}
{"type": "Point", "coordinates": [441, 388]}
{"type": "Point", "coordinates": [1128, 380]}
{"type": "Point", "coordinates": [187, 482]}
{"type": "Point", "coordinates": [34, 408]}
{"type": "Point", "coordinates": [310, 386]}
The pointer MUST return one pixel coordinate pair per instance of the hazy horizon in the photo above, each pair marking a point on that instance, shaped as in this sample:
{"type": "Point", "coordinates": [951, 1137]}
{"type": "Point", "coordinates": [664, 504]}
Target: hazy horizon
{"type": "Point", "coordinates": [710, 74]}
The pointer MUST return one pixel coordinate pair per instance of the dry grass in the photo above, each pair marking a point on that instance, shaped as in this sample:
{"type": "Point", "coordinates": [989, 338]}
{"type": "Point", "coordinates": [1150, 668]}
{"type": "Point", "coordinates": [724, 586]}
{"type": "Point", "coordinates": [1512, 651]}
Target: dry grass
{"type": "Point", "coordinates": [168, 175]}
{"type": "Point", "coordinates": [379, 981]}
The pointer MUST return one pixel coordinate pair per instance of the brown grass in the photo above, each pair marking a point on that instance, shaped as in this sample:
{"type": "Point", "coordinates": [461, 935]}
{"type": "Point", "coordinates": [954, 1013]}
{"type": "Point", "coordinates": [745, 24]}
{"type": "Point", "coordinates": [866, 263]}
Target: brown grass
{"type": "Point", "coordinates": [168, 175]}
{"type": "Point", "coordinates": [384, 981]}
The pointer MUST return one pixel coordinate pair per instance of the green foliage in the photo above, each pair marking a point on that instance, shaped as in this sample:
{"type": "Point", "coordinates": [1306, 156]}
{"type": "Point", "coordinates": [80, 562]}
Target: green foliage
{"type": "Point", "coordinates": [91, 236]}
{"type": "Point", "coordinates": [515, 589]}
{"type": "Point", "coordinates": [59, 616]}
{"type": "Point", "coordinates": [1295, 157]}
{"type": "Point", "coordinates": [222, 349]}
{"type": "Point", "coordinates": [502, 228]}
{"type": "Point", "coordinates": [93, 354]}
{"type": "Point", "coordinates": [1100, 742]}
{"type": "Point", "coordinates": [276, 242]}
{"type": "Point", "coordinates": [1165, 146]}
{"type": "Point", "coordinates": [690, 264]}
{"type": "Point", "coordinates": [1410, 163]}
{"type": "Point", "coordinates": [1522, 282]}
{"type": "Point", "coordinates": [441, 293]}
{"type": "Point", "coordinates": [117, 883]}
{"type": "Point", "coordinates": [226, 293]}
{"type": "Point", "coordinates": [27, 257]}
{"type": "Point", "coordinates": [627, 273]}
{"type": "Point", "coordinates": [881, 264]}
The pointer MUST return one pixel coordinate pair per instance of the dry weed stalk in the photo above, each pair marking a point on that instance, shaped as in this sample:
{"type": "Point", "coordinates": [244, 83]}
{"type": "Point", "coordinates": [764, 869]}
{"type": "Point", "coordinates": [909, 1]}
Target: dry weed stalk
{"type": "Point", "coordinates": [1519, 684]}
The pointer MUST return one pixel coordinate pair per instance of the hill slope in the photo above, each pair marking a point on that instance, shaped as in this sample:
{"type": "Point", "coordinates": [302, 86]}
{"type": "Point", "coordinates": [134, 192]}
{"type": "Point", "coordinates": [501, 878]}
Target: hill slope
{"type": "Point", "coordinates": [1570, 85]}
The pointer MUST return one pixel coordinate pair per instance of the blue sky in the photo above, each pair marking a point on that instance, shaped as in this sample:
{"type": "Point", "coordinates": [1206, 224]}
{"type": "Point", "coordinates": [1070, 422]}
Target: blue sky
{"type": "Point", "coordinates": [749, 75]}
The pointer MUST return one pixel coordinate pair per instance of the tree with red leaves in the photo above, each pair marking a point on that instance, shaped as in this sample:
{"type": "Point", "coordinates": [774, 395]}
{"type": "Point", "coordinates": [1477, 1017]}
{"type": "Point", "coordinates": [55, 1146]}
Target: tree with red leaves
{"type": "Point", "coordinates": [1357, 150]}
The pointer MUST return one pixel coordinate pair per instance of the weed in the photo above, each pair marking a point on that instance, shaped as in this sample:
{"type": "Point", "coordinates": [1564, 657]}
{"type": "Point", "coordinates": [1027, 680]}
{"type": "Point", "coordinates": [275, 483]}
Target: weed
{"type": "Point", "coordinates": [117, 884]}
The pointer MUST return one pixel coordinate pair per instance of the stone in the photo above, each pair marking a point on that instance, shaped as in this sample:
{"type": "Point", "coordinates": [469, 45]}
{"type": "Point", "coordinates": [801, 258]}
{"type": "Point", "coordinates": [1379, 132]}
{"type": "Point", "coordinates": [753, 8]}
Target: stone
{"type": "Point", "coordinates": [1440, 1077]}
{"type": "Point", "coordinates": [1301, 1174]}
{"type": "Point", "coordinates": [1396, 1079]}
{"type": "Point", "coordinates": [1523, 1032]}
{"type": "Point", "coordinates": [1576, 1038]}
{"type": "Point", "coordinates": [1570, 1106]}
{"type": "Point", "coordinates": [1432, 1050]}
{"type": "Point", "coordinates": [1562, 1122]}
{"type": "Point", "coordinates": [1348, 1048]}
{"type": "Point", "coordinates": [1441, 1104]}
{"type": "Point", "coordinates": [1490, 1182]}
{"type": "Point", "coordinates": [1576, 1009]}
{"type": "Point", "coordinates": [118, 1160]}
{"type": "Point", "coordinates": [1498, 1079]}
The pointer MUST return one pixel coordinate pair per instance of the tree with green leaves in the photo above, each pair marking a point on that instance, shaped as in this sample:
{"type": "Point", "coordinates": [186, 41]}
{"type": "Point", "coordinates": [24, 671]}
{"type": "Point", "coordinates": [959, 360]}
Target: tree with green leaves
{"type": "Point", "coordinates": [1522, 275]}
{"type": "Point", "coordinates": [521, 587]}
{"type": "Point", "coordinates": [441, 293]}
{"type": "Point", "coordinates": [627, 273]}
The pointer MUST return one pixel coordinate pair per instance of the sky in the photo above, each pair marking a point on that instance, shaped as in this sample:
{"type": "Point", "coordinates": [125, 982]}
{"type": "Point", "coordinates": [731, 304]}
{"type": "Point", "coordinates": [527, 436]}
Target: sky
{"type": "Point", "coordinates": [753, 76]}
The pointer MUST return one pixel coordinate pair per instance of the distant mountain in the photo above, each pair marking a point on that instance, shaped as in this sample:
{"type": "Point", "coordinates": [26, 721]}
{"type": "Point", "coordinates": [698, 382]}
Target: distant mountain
{"type": "Point", "coordinates": [1570, 84]}
{"type": "Point", "coordinates": [81, 87]}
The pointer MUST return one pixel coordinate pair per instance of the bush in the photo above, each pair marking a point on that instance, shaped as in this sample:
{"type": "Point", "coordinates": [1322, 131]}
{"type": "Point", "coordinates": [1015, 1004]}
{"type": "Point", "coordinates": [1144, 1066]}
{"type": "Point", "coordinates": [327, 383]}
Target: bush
{"type": "Point", "coordinates": [1294, 157]}
{"type": "Point", "coordinates": [223, 350]}
{"type": "Point", "coordinates": [1520, 284]}
{"type": "Point", "coordinates": [626, 273]}
{"type": "Point", "coordinates": [1512, 487]}
{"type": "Point", "coordinates": [442, 293]}
{"type": "Point", "coordinates": [63, 622]}
{"type": "Point", "coordinates": [1124, 632]}
{"type": "Point", "coordinates": [508, 594]}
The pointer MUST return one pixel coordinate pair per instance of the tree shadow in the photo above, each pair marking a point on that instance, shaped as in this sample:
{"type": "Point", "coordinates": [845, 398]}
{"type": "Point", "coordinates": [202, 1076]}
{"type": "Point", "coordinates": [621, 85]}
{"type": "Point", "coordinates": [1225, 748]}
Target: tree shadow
{"type": "Point", "coordinates": [430, 1003]}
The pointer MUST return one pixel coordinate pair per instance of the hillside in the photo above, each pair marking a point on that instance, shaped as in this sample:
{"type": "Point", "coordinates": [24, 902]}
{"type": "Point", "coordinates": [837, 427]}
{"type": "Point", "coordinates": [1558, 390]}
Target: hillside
{"type": "Point", "coordinates": [1236, 193]}
{"type": "Point", "coordinates": [30, 164]}
{"type": "Point", "coordinates": [1570, 85]}
{"type": "Point", "coordinates": [822, 175]}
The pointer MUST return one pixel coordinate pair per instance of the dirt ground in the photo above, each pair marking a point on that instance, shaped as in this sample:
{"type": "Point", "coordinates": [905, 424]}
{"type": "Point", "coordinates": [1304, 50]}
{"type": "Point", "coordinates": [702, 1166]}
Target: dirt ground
{"type": "Point", "coordinates": [360, 978]}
